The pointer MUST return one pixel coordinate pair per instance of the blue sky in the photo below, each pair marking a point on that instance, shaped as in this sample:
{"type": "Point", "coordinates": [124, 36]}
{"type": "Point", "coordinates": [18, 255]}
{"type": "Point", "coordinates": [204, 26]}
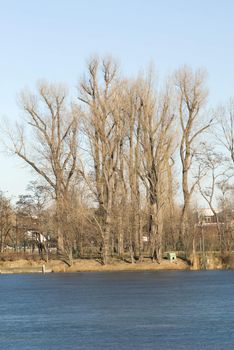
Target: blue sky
{"type": "Point", "coordinates": [53, 39]}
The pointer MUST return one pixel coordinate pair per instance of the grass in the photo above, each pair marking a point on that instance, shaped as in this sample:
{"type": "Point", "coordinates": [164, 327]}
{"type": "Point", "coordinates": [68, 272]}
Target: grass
{"type": "Point", "coordinates": [79, 265]}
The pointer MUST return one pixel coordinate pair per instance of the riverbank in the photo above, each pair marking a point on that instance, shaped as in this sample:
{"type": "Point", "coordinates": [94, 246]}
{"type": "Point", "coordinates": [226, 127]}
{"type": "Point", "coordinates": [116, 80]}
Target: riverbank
{"type": "Point", "coordinates": [85, 265]}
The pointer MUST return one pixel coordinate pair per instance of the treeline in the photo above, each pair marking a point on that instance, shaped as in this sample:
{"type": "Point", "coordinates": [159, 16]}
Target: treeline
{"type": "Point", "coordinates": [119, 164]}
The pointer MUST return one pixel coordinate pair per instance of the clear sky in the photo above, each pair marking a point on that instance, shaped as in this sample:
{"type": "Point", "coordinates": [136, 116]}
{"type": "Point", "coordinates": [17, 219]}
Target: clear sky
{"type": "Point", "coordinates": [53, 38]}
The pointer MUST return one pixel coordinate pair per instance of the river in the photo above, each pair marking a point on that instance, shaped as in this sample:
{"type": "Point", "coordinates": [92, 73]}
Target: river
{"type": "Point", "coordinates": [121, 311]}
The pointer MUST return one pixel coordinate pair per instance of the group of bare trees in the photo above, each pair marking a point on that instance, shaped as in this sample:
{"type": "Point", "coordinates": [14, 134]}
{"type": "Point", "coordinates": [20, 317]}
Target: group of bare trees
{"type": "Point", "coordinates": [121, 162]}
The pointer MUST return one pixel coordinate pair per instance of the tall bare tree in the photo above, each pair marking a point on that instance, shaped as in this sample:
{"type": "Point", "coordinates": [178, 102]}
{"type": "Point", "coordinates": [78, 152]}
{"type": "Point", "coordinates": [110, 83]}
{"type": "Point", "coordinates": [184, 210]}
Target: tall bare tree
{"type": "Point", "coordinates": [48, 144]}
{"type": "Point", "coordinates": [156, 148]}
{"type": "Point", "coordinates": [102, 93]}
{"type": "Point", "coordinates": [191, 94]}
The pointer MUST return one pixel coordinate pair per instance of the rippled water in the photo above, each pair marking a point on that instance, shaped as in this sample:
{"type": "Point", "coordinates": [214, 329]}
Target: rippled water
{"type": "Point", "coordinates": [120, 310]}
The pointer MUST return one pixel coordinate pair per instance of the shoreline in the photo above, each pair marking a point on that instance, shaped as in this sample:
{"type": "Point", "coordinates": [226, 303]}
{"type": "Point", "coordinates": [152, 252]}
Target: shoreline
{"type": "Point", "coordinates": [24, 266]}
{"type": "Point", "coordinates": [84, 265]}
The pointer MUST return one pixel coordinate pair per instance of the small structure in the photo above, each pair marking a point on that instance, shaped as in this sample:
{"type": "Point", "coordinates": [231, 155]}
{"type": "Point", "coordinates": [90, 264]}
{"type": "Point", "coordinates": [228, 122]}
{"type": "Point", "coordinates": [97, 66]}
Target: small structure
{"type": "Point", "coordinates": [206, 217]}
{"type": "Point", "coordinates": [171, 256]}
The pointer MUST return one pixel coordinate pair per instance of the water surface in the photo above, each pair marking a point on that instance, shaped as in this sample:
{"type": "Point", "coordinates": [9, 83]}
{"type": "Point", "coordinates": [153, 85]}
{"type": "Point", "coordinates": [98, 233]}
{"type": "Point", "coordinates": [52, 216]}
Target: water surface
{"type": "Point", "coordinates": [120, 310]}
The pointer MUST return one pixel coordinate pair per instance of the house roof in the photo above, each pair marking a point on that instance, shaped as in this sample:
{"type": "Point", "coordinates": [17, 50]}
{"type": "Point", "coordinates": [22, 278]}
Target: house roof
{"type": "Point", "coordinates": [207, 211]}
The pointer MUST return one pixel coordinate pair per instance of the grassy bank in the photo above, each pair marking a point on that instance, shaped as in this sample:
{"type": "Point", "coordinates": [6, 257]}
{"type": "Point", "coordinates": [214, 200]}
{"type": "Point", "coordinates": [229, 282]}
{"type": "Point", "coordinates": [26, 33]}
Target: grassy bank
{"type": "Point", "coordinates": [79, 265]}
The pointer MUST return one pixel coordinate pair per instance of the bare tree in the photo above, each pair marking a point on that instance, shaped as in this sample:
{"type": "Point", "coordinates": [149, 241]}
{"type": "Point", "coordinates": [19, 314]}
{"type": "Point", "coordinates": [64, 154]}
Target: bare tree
{"type": "Point", "coordinates": [225, 118]}
{"type": "Point", "coordinates": [191, 93]}
{"type": "Point", "coordinates": [102, 93]}
{"type": "Point", "coordinates": [170, 211]}
{"type": "Point", "coordinates": [156, 145]}
{"type": "Point", "coordinates": [6, 222]}
{"type": "Point", "coordinates": [132, 196]}
{"type": "Point", "coordinates": [48, 144]}
{"type": "Point", "coordinates": [210, 176]}
{"type": "Point", "coordinates": [119, 198]}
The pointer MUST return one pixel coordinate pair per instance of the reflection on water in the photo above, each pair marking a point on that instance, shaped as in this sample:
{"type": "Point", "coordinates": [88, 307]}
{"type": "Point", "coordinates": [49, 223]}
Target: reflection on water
{"type": "Point", "coordinates": [120, 310]}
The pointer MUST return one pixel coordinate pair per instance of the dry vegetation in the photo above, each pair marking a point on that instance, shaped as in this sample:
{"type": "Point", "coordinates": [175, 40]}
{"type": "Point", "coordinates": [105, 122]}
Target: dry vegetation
{"type": "Point", "coordinates": [114, 166]}
{"type": "Point", "coordinates": [79, 265]}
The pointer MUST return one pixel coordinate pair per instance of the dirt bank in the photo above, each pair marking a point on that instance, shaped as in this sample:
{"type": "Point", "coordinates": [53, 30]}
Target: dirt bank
{"type": "Point", "coordinates": [79, 265]}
